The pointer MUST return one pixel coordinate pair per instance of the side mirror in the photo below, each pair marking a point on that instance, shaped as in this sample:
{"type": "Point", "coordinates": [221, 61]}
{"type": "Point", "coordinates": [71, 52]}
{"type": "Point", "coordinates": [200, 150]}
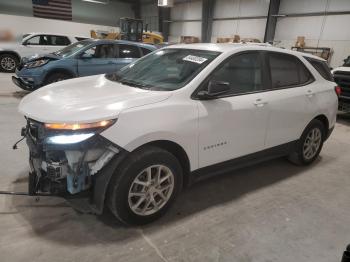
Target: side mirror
{"type": "Point", "coordinates": [25, 43]}
{"type": "Point", "coordinates": [215, 88]}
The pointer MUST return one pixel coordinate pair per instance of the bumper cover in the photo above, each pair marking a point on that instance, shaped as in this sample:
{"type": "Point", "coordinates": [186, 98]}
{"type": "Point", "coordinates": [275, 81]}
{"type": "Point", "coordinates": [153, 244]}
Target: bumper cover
{"type": "Point", "coordinates": [344, 104]}
{"type": "Point", "coordinates": [23, 84]}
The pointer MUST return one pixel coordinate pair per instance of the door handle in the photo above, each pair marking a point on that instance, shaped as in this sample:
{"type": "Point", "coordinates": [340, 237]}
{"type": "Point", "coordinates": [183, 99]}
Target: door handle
{"type": "Point", "coordinates": [309, 93]}
{"type": "Point", "coordinates": [260, 103]}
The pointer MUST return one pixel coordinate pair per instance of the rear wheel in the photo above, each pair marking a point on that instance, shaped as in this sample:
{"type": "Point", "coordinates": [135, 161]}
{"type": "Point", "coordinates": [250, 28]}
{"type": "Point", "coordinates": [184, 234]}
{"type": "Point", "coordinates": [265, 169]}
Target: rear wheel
{"type": "Point", "coordinates": [145, 186]}
{"type": "Point", "coordinates": [56, 77]}
{"type": "Point", "coordinates": [8, 63]}
{"type": "Point", "coordinates": [310, 144]}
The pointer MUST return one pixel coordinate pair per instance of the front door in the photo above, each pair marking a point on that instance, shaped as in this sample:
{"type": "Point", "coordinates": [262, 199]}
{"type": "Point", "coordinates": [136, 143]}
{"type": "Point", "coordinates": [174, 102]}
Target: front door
{"type": "Point", "coordinates": [39, 44]}
{"type": "Point", "coordinates": [235, 124]}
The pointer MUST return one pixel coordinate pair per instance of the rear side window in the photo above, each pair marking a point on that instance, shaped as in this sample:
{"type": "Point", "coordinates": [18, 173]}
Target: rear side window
{"type": "Point", "coordinates": [287, 71]}
{"type": "Point", "coordinates": [321, 67]}
{"type": "Point", "coordinates": [129, 51]}
{"type": "Point", "coordinates": [145, 51]}
{"type": "Point", "coordinates": [59, 40]}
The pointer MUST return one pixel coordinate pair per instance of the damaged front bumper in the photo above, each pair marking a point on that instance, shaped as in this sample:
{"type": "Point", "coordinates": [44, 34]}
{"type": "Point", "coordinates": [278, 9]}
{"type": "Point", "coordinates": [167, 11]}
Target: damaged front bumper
{"type": "Point", "coordinates": [78, 171]}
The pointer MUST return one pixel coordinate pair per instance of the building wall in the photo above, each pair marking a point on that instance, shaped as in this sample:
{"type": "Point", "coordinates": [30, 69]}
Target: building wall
{"type": "Point", "coordinates": [82, 12]}
{"type": "Point", "coordinates": [323, 31]}
{"type": "Point", "coordinates": [25, 24]}
{"type": "Point", "coordinates": [185, 11]}
{"type": "Point", "coordinates": [149, 14]}
{"type": "Point", "coordinates": [232, 10]}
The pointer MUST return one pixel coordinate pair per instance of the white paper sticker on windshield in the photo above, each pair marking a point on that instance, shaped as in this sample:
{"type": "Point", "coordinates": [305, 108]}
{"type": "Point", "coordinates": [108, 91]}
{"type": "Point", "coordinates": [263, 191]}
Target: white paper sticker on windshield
{"type": "Point", "coordinates": [195, 59]}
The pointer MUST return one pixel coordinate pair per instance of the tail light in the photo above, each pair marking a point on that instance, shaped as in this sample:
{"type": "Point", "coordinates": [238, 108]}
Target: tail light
{"type": "Point", "coordinates": [337, 90]}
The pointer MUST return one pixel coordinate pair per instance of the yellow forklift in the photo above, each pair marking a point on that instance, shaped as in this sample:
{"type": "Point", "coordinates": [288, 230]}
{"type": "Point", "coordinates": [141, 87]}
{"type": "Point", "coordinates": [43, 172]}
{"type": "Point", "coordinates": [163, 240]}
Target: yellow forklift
{"type": "Point", "coordinates": [131, 29]}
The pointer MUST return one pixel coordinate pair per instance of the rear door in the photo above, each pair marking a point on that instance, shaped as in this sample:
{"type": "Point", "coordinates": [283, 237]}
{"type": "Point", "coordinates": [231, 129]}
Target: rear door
{"type": "Point", "coordinates": [99, 59]}
{"type": "Point", "coordinates": [127, 54]}
{"type": "Point", "coordinates": [292, 98]}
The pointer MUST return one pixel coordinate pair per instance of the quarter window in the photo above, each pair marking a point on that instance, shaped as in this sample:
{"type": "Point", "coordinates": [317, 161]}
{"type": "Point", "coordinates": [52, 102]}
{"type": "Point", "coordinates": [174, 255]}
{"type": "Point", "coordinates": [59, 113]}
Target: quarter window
{"type": "Point", "coordinates": [129, 51]}
{"type": "Point", "coordinates": [145, 51]}
{"type": "Point", "coordinates": [243, 72]}
{"type": "Point", "coordinates": [287, 70]}
{"type": "Point", "coordinates": [321, 67]}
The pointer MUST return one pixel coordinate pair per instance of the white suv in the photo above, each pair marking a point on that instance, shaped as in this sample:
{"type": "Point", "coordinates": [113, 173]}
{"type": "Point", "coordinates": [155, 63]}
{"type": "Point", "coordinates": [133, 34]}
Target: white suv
{"type": "Point", "coordinates": [135, 138]}
{"type": "Point", "coordinates": [32, 44]}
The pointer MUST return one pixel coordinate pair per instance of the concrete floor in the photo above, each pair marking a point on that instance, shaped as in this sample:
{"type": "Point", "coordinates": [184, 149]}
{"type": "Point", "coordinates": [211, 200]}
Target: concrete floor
{"type": "Point", "coordinates": [270, 212]}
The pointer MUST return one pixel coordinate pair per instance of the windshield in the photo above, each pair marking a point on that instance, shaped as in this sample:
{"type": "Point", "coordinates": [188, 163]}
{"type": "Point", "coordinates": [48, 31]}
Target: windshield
{"type": "Point", "coordinates": [72, 49]}
{"type": "Point", "coordinates": [347, 61]}
{"type": "Point", "coordinates": [167, 69]}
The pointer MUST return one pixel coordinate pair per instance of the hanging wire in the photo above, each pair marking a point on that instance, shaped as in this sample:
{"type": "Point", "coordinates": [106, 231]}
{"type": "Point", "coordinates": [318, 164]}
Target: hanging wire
{"type": "Point", "coordinates": [323, 22]}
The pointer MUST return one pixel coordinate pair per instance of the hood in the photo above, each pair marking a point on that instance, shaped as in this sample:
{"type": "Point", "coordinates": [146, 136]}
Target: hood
{"type": "Point", "coordinates": [85, 100]}
{"type": "Point", "coordinates": [50, 56]}
{"type": "Point", "coordinates": [341, 68]}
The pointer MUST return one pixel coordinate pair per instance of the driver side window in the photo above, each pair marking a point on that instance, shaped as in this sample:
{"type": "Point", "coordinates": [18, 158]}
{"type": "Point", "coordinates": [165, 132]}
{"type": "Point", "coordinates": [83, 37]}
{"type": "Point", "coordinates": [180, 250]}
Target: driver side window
{"type": "Point", "coordinates": [38, 40]}
{"type": "Point", "coordinates": [243, 73]}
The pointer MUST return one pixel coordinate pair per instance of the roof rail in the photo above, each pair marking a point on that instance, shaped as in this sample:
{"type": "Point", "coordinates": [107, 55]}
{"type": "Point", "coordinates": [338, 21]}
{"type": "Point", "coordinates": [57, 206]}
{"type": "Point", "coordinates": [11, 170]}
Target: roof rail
{"type": "Point", "coordinates": [258, 44]}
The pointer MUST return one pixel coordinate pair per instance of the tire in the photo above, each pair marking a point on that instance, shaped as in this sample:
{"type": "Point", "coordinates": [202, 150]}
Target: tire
{"type": "Point", "coordinates": [121, 198]}
{"type": "Point", "coordinates": [306, 151]}
{"type": "Point", "coordinates": [8, 63]}
{"type": "Point", "coordinates": [56, 77]}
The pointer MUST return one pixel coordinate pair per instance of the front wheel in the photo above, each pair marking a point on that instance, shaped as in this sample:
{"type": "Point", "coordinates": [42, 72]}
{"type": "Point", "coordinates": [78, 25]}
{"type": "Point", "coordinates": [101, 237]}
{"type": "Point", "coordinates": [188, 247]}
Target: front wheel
{"type": "Point", "coordinates": [8, 63]}
{"type": "Point", "coordinates": [310, 144]}
{"type": "Point", "coordinates": [145, 186]}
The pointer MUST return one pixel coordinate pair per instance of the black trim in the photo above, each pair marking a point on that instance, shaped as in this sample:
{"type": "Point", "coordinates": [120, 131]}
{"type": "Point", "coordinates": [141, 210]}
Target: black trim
{"type": "Point", "coordinates": [330, 131]}
{"type": "Point", "coordinates": [240, 162]}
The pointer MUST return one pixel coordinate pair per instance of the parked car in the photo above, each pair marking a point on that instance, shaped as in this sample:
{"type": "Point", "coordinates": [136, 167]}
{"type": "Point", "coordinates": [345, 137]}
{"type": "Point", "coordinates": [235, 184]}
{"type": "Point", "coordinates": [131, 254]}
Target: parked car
{"type": "Point", "coordinates": [133, 139]}
{"type": "Point", "coordinates": [342, 78]}
{"type": "Point", "coordinates": [31, 44]}
{"type": "Point", "coordinates": [85, 58]}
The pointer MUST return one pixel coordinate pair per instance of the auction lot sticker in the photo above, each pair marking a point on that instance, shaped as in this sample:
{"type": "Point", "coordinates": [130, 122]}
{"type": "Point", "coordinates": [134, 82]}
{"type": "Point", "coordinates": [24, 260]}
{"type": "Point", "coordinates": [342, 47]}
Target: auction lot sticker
{"type": "Point", "coordinates": [195, 59]}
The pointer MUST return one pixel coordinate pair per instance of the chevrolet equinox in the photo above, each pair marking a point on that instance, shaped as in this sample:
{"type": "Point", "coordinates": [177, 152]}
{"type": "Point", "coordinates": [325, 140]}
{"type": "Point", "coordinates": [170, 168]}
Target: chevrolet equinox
{"type": "Point", "coordinates": [131, 140]}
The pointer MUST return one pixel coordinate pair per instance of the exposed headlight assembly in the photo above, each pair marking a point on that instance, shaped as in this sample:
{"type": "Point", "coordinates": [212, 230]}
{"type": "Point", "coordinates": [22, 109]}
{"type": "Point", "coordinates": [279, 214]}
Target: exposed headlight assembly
{"type": "Point", "coordinates": [74, 133]}
{"type": "Point", "coordinates": [36, 63]}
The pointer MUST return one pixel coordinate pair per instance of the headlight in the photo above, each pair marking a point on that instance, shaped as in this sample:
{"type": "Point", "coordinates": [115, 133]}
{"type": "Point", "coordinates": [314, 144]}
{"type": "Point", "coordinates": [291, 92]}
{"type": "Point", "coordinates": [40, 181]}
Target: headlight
{"type": "Point", "coordinates": [68, 139]}
{"type": "Point", "coordinates": [64, 126]}
{"type": "Point", "coordinates": [74, 133]}
{"type": "Point", "coordinates": [36, 63]}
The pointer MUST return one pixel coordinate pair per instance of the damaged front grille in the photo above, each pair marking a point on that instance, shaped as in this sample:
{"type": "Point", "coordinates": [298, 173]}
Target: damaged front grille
{"type": "Point", "coordinates": [66, 168]}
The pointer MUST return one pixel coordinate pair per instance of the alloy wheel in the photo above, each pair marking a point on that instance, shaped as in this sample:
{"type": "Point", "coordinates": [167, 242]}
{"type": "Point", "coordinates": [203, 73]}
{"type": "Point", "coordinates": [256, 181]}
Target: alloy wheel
{"type": "Point", "coordinates": [8, 63]}
{"type": "Point", "coordinates": [151, 190]}
{"type": "Point", "coordinates": [312, 143]}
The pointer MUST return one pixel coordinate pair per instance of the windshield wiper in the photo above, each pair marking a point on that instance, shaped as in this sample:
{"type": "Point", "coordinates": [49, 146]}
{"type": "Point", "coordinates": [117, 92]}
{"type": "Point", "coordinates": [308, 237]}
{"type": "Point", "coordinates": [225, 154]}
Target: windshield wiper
{"type": "Point", "coordinates": [134, 84]}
